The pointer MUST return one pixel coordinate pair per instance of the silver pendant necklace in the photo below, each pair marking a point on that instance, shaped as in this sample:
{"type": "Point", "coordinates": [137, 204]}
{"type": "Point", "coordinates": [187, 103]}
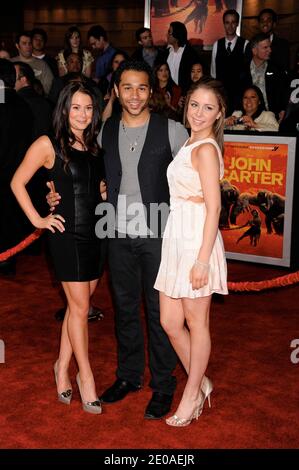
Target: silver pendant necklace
{"type": "Point", "coordinates": [133, 145]}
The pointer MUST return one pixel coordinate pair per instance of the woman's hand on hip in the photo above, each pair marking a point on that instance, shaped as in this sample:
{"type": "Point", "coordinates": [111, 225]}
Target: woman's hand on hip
{"type": "Point", "coordinates": [51, 222]}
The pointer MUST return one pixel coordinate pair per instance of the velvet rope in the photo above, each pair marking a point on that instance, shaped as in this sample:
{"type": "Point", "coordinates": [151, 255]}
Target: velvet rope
{"type": "Point", "coordinates": [21, 246]}
{"type": "Point", "coordinates": [281, 281]}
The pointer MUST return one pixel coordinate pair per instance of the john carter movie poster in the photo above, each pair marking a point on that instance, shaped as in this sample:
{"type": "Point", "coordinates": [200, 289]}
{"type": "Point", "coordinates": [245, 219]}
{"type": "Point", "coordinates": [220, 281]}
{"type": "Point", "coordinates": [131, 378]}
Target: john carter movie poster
{"type": "Point", "coordinates": [203, 18]}
{"type": "Point", "coordinates": [253, 193]}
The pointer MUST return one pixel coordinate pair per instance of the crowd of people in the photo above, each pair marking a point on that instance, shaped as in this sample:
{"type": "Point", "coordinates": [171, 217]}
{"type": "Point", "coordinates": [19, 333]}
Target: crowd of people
{"type": "Point", "coordinates": [263, 61]}
{"type": "Point", "coordinates": [134, 133]}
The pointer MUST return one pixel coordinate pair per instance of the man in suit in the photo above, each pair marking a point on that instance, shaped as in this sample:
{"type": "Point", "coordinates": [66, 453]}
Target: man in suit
{"type": "Point", "coordinates": [42, 125]}
{"type": "Point", "coordinates": [280, 48]}
{"type": "Point", "coordinates": [181, 55]}
{"type": "Point", "coordinates": [137, 150]}
{"type": "Point", "coordinates": [228, 59]}
{"type": "Point", "coordinates": [262, 72]}
{"type": "Point", "coordinates": [40, 107]}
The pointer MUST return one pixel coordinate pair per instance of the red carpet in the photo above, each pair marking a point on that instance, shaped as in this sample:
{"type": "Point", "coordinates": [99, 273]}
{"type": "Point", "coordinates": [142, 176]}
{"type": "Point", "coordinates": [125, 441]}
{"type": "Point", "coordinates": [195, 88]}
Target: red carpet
{"type": "Point", "coordinates": [254, 404]}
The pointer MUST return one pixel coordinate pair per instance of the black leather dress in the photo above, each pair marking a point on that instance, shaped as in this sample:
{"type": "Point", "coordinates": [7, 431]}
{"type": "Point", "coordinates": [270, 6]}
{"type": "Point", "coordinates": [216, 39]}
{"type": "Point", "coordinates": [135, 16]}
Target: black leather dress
{"type": "Point", "coordinates": [78, 255]}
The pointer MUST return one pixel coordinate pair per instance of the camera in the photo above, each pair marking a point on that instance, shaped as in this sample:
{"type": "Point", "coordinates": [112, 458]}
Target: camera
{"type": "Point", "coordinates": [239, 120]}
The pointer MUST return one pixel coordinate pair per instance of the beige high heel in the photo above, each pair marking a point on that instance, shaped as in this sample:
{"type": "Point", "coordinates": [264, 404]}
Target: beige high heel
{"type": "Point", "coordinates": [94, 407]}
{"type": "Point", "coordinates": [66, 396]}
{"type": "Point", "coordinates": [181, 422]}
{"type": "Point", "coordinates": [178, 422]}
{"type": "Point", "coordinates": [204, 393]}
{"type": "Point", "coordinates": [206, 388]}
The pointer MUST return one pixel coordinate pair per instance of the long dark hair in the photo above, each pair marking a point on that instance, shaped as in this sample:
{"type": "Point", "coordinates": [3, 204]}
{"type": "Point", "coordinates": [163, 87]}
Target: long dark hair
{"type": "Point", "coordinates": [63, 134]}
{"type": "Point", "coordinates": [261, 107]}
{"type": "Point", "coordinates": [218, 89]}
{"type": "Point", "coordinates": [179, 32]}
{"type": "Point", "coordinates": [67, 43]}
{"type": "Point", "coordinates": [112, 79]}
{"type": "Point", "coordinates": [170, 83]}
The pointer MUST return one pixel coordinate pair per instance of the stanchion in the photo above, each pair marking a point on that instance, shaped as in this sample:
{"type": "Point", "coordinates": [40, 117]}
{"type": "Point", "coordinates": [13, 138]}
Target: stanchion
{"type": "Point", "coordinates": [247, 286]}
{"type": "Point", "coordinates": [21, 246]}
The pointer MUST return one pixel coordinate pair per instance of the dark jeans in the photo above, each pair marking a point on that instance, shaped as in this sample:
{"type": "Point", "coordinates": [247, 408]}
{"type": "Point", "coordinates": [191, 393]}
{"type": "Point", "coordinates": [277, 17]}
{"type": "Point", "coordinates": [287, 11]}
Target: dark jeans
{"type": "Point", "coordinates": [134, 264]}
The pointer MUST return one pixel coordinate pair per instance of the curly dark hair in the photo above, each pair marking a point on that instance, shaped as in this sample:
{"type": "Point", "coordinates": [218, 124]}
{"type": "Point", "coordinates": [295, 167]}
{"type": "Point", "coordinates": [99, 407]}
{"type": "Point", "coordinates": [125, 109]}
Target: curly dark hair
{"type": "Point", "coordinates": [64, 136]}
{"type": "Point", "coordinates": [137, 66]}
{"type": "Point", "coordinates": [270, 12]}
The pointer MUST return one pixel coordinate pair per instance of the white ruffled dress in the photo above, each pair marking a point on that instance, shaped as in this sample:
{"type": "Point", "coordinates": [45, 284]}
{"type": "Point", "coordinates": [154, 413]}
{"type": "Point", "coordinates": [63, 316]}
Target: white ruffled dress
{"type": "Point", "coordinates": [184, 232]}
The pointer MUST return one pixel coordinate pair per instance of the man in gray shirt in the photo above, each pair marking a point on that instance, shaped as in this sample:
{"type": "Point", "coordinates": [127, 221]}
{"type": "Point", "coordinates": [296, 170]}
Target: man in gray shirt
{"type": "Point", "coordinates": [129, 192]}
{"type": "Point", "coordinates": [41, 70]}
{"type": "Point", "coordinates": [138, 147]}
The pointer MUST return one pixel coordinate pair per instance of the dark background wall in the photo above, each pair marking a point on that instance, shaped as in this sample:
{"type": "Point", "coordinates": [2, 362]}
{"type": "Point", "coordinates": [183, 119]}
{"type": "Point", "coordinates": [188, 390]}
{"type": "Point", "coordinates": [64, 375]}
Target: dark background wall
{"type": "Point", "coordinates": [288, 19]}
{"type": "Point", "coordinates": [11, 21]}
{"type": "Point", "coordinates": [121, 18]}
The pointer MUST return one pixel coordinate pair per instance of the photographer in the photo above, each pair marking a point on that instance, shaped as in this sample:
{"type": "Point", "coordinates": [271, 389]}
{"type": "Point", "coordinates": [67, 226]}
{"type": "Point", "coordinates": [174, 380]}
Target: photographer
{"type": "Point", "coordinates": [253, 115]}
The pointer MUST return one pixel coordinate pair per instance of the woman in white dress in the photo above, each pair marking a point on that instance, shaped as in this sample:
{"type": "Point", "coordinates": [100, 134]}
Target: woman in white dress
{"type": "Point", "coordinates": [193, 264]}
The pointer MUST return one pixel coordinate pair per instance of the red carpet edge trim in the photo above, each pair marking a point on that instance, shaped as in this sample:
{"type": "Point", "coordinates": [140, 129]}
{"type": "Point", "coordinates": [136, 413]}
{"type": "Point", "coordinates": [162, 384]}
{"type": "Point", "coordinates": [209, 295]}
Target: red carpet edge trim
{"type": "Point", "coordinates": [281, 281]}
{"type": "Point", "coordinates": [22, 245]}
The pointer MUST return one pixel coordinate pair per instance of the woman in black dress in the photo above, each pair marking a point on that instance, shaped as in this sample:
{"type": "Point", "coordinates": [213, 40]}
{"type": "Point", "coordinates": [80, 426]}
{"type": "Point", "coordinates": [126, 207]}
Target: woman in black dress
{"type": "Point", "coordinates": [74, 165]}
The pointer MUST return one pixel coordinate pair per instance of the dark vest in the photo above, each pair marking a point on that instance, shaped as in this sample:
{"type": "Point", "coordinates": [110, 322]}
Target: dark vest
{"type": "Point", "coordinates": [154, 159]}
{"type": "Point", "coordinates": [229, 66]}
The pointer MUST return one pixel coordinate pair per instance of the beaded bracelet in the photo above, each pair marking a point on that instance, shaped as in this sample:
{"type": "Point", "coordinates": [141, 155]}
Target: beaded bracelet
{"type": "Point", "coordinates": [197, 262]}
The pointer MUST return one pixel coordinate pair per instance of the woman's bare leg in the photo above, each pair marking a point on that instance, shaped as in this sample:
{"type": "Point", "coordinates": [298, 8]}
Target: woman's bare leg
{"type": "Point", "coordinates": [66, 350]}
{"type": "Point", "coordinates": [197, 317]}
{"type": "Point", "coordinates": [64, 358]}
{"type": "Point", "coordinates": [78, 298]}
{"type": "Point", "coordinates": [172, 319]}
